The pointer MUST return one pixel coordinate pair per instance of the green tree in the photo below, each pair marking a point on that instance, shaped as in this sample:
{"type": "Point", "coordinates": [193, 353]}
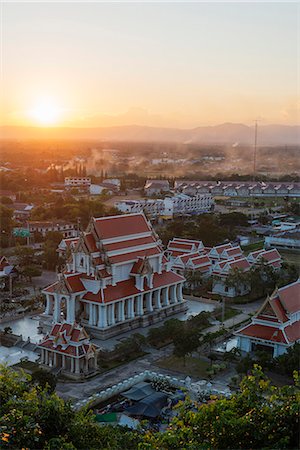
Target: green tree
{"type": "Point", "coordinates": [185, 343]}
{"type": "Point", "coordinates": [44, 379]}
{"type": "Point", "coordinates": [258, 416]}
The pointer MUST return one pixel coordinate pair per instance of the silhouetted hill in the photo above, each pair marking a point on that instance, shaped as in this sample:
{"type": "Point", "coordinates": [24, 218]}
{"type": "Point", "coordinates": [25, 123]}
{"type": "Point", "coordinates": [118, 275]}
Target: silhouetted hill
{"type": "Point", "coordinates": [226, 133]}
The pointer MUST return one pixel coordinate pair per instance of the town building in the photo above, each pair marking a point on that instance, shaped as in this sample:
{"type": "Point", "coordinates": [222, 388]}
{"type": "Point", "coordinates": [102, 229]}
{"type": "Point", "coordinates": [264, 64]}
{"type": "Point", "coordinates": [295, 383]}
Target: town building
{"type": "Point", "coordinates": [116, 279]}
{"type": "Point", "coordinates": [155, 187]}
{"type": "Point", "coordinates": [67, 229]}
{"type": "Point", "coordinates": [222, 269]}
{"type": "Point", "coordinates": [187, 257]}
{"type": "Point", "coordinates": [81, 183]}
{"type": "Point", "coordinates": [238, 189]}
{"type": "Point", "coordinates": [169, 207]}
{"type": "Point", "coordinates": [268, 257]}
{"type": "Point", "coordinates": [21, 211]}
{"type": "Point", "coordinates": [276, 325]}
{"type": "Point", "coordinates": [67, 350]}
{"type": "Point", "coordinates": [7, 273]}
{"type": "Point", "coordinates": [288, 241]}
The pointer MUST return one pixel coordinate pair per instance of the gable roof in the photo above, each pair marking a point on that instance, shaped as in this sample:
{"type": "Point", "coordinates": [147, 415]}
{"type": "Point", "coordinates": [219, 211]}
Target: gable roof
{"type": "Point", "coordinates": [290, 297]}
{"type": "Point", "coordinates": [263, 332]}
{"type": "Point", "coordinates": [124, 225]}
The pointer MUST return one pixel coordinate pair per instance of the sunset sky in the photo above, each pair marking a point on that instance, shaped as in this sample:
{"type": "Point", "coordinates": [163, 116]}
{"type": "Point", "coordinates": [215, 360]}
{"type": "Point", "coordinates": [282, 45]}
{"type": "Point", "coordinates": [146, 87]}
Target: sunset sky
{"type": "Point", "coordinates": [165, 64]}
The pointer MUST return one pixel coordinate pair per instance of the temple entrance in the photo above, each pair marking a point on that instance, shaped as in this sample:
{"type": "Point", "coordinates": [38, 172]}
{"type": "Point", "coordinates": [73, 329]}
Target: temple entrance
{"type": "Point", "coordinates": [262, 348]}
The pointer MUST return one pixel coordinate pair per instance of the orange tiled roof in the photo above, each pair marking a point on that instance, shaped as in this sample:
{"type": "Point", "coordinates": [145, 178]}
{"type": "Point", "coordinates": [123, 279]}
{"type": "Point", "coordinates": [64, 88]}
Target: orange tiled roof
{"type": "Point", "coordinates": [127, 288]}
{"type": "Point", "coordinates": [111, 227]}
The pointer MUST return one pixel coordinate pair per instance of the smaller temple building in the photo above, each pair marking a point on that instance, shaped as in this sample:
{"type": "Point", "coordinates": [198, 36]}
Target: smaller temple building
{"type": "Point", "coordinates": [276, 326]}
{"type": "Point", "coordinates": [67, 349]}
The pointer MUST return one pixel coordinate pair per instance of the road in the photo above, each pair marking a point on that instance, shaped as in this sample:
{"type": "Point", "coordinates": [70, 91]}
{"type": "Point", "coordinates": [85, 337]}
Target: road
{"type": "Point", "coordinates": [82, 390]}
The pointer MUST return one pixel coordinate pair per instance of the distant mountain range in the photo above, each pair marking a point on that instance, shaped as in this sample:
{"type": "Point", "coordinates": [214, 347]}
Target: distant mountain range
{"type": "Point", "coordinates": [226, 133]}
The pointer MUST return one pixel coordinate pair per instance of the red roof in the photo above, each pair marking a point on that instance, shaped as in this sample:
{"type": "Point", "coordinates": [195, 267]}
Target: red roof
{"type": "Point", "coordinates": [180, 245]}
{"type": "Point", "coordinates": [220, 248]}
{"type": "Point", "coordinates": [129, 243]}
{"type": "Point", "coordinates": [201, 260]}
{"type": "Point", "coordinates": [131, 256]}
{"type": "Point", "coordinates": [74, 282]}
{"type": "Point", "coordinates": [111, 227]}
{"type": "Point", "coordinates": [187, 256]}
{"type": "Point", "coordinates": [73, 331]}
{"type": "Point", "coordinates": [270, 255]}
{"type": "Point", "coordinates": [242, 263]}
{"type": "Point", "coordinates": [175, 253]}
{"type": "Point", "coordinates": [256, 253]}
{"type": "Point", "coordinates": [90, 243]}
{"type": "Point", "coordinates": [290, 297]}
{"type": "Point", "coordinates": [137, 266]}
{"type": "Point", "coordinates": [127, 288]}
{"type": "Point", "coordinates": [278, 309]}
{"type": "Point", "coordinates": [265, 332]}
{"type": "Point", "coordinates": [187, 241]}
{"type": "Point", "coordinates": [293, 331]}
{"type": "Point", "coordinates": [234, 251]}
{"type": "Point", "coordinates": [52, 287]}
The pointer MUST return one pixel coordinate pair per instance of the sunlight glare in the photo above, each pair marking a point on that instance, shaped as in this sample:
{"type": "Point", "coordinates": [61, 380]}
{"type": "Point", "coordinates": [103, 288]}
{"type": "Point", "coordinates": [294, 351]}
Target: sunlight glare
{"type": "Point", "coordinates": [46, 112]}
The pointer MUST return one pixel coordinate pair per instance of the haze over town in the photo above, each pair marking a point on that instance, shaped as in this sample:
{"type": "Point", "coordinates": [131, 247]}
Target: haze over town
{"type": "Point", "coordinates": [149, 225]}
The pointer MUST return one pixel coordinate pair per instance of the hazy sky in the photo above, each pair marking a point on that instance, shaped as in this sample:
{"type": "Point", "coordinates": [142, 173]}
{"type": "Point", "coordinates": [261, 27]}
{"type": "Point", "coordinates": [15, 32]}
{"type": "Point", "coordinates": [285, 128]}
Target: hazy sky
{"type": "Point", "coordinates": [170, 64]}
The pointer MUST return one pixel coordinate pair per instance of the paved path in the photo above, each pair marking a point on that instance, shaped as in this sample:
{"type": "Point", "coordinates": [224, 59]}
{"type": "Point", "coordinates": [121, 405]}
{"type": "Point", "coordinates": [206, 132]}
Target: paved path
{"type": "Point", "coordinates": [228, 323]}
{"type": "Point", "coordinates": [79, 391]}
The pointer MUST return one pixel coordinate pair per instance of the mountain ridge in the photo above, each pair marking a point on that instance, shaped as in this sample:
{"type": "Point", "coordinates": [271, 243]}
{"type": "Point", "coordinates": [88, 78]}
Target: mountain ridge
{"type": "Point", "coordinates": [225, 133]}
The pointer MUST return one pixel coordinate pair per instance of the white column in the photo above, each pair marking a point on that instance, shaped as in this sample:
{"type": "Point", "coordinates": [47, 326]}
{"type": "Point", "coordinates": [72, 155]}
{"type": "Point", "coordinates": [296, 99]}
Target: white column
{"type": "Point", "coordinates": [157, 300]}
{"type": "Point", "coordinates": [102, 316]}
{"type": "Point", "coordinates": [91, 314]}
{"type": "Point", "coordinates": [48, 304]}
{"type": "Point", "coordinates": [42, 356]}
{"type": "Point", "coordinates": [55, 359]}
{"type": "Point", "coordinates": [140, 309]}
{"type": "Point", "coordinates": [56, 314]}
{"type": "Point", "coordinates": [149, 302]}
{"type": "Point", "coordinates": [94, 313]}
{"type": "Point", "coordinates": [173, 294]}
{"type": "Point", "coordinates": [166, 296]}
{"type": "Point", "coordinates": [121, 308]}
{"type": "Point", "coordinates": [131, 308]}
{"type": "Point", "coordinates": [72, 309]}
{"type": "Point", "coordinates": [77, 365]}
{"type": "Point", "coordinates": [179, 292]}
{"type": "Point", "coordinates": [46, 360]}
{"type": "Point", "coordinates": [112, 314]}
{"type": "Point", "coordinates": [63, 362]}
{"type": "Point", "coordinates": [72, 365]}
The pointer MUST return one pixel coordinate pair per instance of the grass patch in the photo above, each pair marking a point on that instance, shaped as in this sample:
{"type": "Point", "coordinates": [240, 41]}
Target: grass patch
{"type": "Point", "coordinates": [229, 313]}
{"type": "Point", "coordinates": [290, 257]}
{"type": "Point", "coordinates": [105, 366]}
{"type": "Point", "coordinates": [194, 367]}
{"type": "Point", "coordinates": [253, 247]}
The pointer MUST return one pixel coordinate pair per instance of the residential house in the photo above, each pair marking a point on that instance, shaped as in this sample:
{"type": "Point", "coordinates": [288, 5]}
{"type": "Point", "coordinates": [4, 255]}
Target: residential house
{"type": "Point", "coordinates": [276, 325]}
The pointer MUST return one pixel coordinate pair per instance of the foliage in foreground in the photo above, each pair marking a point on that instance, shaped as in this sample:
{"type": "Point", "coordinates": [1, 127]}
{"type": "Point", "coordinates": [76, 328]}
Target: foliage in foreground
{"type": "Point", "coordinates": [259, 416]}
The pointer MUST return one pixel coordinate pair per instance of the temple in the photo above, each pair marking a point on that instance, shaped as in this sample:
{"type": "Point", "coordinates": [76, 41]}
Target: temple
{"type": "Point", "coordinates": [116, 279]}
{"type": "Point", "coordinates": [276, 326]}
{"type": "Point", "coordinates": [67, 349]}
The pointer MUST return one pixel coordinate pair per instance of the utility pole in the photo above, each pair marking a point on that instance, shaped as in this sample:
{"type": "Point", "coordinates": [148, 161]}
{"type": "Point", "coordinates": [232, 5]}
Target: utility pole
{"type": "Point", "coordinates": [254, 166]}
{"type": "Point", "coordinates": [255, 150]}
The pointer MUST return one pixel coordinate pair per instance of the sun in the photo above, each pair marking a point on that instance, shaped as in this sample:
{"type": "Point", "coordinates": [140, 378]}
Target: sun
{"type": "Point", "coordinates": [46, 112]}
